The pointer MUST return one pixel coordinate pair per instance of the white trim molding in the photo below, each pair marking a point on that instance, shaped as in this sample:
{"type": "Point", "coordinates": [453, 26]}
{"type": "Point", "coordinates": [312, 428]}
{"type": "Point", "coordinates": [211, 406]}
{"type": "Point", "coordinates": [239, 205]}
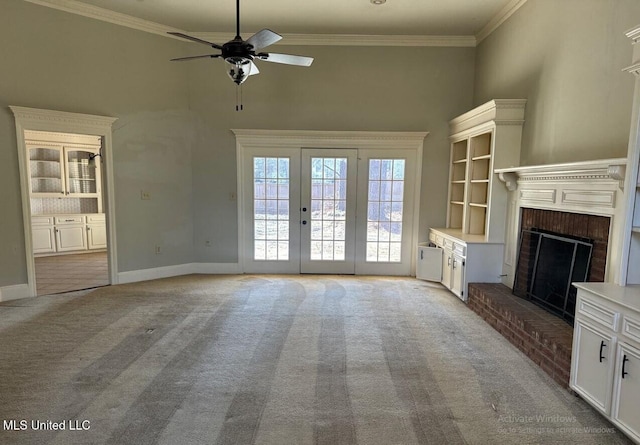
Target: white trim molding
{"type": "Point", "coordinates": [354, 39]}
{"type": "Point", "coordinates": [117, 18]}
{"type": "Point", "coordinates": [589, 187]}
{"type": "Point", "coordinates": [14, 292]}
{"type": "Point", "coordinates": [156, 273]}
{"type": "Point", "coordinates": [501, 17]}
{"type": "Point", "coordinates": [64, 122]}
{"type": "Point", "coordinates": [390, 140]}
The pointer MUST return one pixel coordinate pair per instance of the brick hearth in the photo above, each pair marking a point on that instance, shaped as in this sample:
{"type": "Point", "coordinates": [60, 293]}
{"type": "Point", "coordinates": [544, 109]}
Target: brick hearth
{"type": "Point", "coordinates": [541, 336]}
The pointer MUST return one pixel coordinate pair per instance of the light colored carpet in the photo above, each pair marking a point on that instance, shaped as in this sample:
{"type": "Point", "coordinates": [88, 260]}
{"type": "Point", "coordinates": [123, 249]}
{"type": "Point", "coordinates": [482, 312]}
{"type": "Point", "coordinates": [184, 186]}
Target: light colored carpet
{"type": "Point", "coordinates": [275, 360]}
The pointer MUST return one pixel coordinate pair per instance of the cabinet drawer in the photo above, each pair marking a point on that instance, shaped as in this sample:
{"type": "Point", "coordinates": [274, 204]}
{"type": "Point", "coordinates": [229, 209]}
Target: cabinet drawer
{"type": "Point", "coordinates": [602, 315]}
{"type": "Point", "coordinates": [70, 219]}
{"type": "Point", "coordinates": [631, 328]}
{"type": "Point", "coordinates": [42, 220]}
{"type": "Point", "coordinates": [447, 243]}
{"type": "Point", "coordinates": [460, 249]}
{"type": "Point", "coordinates": [432, 237]}
{"type": "Point", "coordinates": [95, 218]}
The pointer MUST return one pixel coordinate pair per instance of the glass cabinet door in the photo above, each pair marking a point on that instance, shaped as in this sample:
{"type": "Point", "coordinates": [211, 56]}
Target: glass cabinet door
{"type": "Point", "coordinates": [46, 170]}
{"type": "Point", "coordinates": [81, 179]}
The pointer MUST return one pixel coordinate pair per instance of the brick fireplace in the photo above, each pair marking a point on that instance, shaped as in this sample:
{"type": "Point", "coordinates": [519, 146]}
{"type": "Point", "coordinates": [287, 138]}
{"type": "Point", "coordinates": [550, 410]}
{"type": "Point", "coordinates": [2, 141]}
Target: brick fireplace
{"type": "Point", "coordinates": [580, 200]}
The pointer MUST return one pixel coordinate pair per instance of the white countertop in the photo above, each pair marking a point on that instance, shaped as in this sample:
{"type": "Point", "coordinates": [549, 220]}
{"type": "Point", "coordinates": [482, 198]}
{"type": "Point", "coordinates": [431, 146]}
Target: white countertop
{"type": "Point", "coordinates": [627, 296]}
{"type": "Point", "coordinates": [466, 237]}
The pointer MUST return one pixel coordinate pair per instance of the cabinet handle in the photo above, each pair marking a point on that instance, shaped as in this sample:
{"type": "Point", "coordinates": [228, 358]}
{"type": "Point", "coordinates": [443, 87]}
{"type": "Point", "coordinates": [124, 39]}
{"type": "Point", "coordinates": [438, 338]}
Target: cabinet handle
{"type": "Point", "coordinates": [602, 345]}
{"type": "Point", "coordinates": [422, 254]}
{"type": "Point", "coordinates": [454, 263]}
{"type": "Point", "coordinates": [624, 362]}
{"type": "Point", "coordinates": [449, 261]}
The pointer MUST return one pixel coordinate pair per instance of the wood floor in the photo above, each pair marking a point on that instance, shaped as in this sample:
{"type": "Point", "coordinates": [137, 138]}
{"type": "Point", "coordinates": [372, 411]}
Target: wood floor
{"type": "Point", "coordinates": [65, 273]}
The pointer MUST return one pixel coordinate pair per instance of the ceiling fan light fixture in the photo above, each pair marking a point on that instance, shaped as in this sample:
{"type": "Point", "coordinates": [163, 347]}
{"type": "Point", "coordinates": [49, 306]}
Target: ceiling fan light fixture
{"type": "Point", "coordinates": [238, 68]}
{"type": "Point", "coordinates": [378, 2]}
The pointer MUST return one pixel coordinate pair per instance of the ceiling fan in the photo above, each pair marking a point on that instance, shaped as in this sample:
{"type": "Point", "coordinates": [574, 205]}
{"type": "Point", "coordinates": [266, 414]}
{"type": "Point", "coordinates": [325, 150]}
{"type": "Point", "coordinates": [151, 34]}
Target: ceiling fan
{"type": "Point", "coordinates": [240, 55]}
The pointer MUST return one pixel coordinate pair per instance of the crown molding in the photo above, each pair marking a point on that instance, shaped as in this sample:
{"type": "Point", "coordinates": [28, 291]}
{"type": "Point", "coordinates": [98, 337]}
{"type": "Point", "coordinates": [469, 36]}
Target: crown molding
{"type": "Point", "coordinates": [354, 39]}
{"type": "Point", "coordinates": [499, 19]}
{"type": "Point", "coordinates": [105, 15]}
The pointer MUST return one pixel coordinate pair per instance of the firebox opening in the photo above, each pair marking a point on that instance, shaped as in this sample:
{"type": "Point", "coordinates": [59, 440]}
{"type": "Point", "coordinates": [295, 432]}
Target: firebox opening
{"type": "Point", "coordinates": [548, 263]}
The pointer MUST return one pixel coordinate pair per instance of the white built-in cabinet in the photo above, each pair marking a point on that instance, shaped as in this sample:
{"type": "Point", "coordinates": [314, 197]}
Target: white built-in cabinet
{"type": "Point", "coordinates": [472, 243]}
{"type": "Point", "coordinates": [605, 362]}
{"type": "Point", "coordinates": [65, 192]}
{"type": "Point", "coordinates": [68, 233]}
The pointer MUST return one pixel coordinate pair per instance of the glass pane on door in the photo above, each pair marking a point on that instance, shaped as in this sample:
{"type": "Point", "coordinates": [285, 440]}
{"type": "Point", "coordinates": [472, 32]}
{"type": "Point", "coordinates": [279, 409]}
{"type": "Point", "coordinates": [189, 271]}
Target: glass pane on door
{"type": "Point", "coordinates": [271, 180]}
{"type": "Point", "coordinates": [328, 208]}
{"type": "Point", "coordinates": [385, 210]}
{"type": "Point", "coordinates": [80, 176]}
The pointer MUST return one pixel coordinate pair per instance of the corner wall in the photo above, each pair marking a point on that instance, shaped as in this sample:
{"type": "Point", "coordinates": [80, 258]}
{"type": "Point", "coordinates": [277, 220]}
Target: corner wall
{"type": "Point", "coordinates": [566, 58]}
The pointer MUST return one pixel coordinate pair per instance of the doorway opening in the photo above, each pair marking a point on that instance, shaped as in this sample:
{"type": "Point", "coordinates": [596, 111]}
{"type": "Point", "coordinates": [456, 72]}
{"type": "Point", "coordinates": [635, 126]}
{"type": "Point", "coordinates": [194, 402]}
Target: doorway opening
{"type": "Point", "coordinates": [67, 193]}
{"type": "Point", "coordinates": [68, 224]}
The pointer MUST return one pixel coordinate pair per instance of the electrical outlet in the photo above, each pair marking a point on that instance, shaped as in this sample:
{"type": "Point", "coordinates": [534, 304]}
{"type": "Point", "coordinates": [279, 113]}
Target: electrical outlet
{"type": "Point", "coordinates": [207, 243]}
{"type": "Point", "coordinates": [145, 195]}
{"type": "Point", "coordinates": [158, 250]}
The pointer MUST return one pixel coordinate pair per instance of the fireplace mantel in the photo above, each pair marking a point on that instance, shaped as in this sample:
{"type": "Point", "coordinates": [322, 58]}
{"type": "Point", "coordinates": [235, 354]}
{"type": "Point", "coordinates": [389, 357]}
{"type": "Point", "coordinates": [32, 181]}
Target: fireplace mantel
{"type": "Point", "coordinates": [587, 187]}
{"type": "Point", "coordinates": [571, 171]}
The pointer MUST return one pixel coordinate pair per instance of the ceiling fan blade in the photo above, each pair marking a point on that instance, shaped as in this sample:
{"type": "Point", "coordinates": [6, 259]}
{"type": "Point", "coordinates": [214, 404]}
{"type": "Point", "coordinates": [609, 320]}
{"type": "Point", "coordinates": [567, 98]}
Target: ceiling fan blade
{"type": "Point", "coordinates": [254, 69]}
{"type": "Point", "coordinates": [263, 38]}
{"type": "Point", "coordinates": [181, 59]}
{"type": "Point", "coordinates": [195, 39]}
{"type": "Point", "coordinates": [287, 59]}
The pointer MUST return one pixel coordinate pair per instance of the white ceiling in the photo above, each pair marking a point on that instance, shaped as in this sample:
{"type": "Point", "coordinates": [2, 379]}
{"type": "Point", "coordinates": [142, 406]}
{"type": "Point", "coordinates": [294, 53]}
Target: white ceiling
{"type": "Point", "coordinates": [395, 17]}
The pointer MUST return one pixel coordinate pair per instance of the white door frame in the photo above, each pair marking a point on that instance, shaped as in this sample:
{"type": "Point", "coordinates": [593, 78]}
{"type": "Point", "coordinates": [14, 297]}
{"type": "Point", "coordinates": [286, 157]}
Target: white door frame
{"type": "Point", "coordinates": [64, 122]}
{"type": "Point", "coordinates": [274, 139]}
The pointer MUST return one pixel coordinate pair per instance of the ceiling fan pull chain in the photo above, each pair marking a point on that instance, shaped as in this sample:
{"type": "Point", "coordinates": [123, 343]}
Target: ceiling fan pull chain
{"type": "Point", "coordinates": [239, 106]}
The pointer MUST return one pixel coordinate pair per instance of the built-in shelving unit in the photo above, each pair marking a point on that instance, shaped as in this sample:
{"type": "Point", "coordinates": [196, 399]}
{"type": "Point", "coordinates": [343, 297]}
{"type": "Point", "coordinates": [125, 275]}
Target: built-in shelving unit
{"type": "Point", "coordinates": [482, 140]}
{"type": "Point", "coordinates": [61, 179]}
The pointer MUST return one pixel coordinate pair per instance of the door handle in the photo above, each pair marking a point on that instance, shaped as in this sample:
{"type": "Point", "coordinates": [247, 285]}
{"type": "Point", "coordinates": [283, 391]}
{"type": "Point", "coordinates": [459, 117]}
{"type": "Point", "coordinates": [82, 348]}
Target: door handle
{"type": "Point", "coordinates": [602, 345]}
{"type": "Point", "coordinates": [624, 362]}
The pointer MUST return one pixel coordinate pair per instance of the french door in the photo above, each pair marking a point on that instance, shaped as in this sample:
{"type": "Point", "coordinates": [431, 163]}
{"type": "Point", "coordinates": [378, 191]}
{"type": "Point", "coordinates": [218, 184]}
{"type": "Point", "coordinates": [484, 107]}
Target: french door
{"type": "Point", "coordinates": [328, 211]}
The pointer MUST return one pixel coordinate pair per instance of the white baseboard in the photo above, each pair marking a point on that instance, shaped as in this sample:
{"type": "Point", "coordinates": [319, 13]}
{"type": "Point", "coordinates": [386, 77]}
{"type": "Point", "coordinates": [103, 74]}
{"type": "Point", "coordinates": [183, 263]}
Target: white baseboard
{"type": "Point", "coordinates": [177, 270]}
{"type": "Point", "coordinates": [14, 292]}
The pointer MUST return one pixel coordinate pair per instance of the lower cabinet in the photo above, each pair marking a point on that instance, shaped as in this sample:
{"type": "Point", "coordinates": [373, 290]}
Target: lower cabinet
{"type": "Point", "coordinates": [70, 237]}
{"type": "Point", "coordinates": [68, 233]}
{"type": "Point", "coordinates": [594, 358]}
{"type": "Point", "coordinates": [43, 238]}
{"type": "Point", "coordinates": [626, 400]}
{"type": "Point", "coordinates": [458, 259]}
{"type": "Point", "coordinates": [605, 361]}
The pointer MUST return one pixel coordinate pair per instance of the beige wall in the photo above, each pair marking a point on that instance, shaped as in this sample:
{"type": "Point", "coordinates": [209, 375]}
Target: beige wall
{"type": "Point", "coordinates": [173, 137]}
{"type": "Point", "coordinates": [566, 58]}
{"type": "Point", "coordinates": [55, 60]}
{"type": "Point", "coordinates": [346, 88]}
